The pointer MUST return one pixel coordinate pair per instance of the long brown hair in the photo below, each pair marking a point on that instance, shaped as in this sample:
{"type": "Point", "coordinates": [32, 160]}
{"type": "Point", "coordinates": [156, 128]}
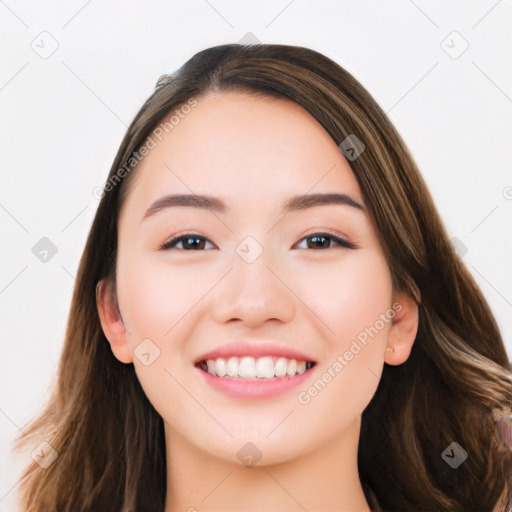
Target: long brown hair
{"type": "Point", "coordinates": [109, 438]}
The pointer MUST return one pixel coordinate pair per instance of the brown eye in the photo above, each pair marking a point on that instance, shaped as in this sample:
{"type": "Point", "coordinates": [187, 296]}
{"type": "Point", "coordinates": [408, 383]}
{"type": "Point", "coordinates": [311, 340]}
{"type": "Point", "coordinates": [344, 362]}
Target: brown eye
{"type": "Point", "coordinates": [323, 241]}
{"type": "Point", "coordinates": [193, 242]}
{"type": "Point", "coordinates": [189, 241]}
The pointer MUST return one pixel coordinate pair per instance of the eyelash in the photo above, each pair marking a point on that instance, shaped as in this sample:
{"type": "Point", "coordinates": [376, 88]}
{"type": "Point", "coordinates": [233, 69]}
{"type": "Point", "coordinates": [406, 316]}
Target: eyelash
{"type": "Point", "coordinates": [169, 244]}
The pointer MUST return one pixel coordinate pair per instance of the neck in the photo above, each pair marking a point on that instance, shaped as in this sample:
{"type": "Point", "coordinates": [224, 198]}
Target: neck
{"type": "Point", "coordinates": [326, 479]}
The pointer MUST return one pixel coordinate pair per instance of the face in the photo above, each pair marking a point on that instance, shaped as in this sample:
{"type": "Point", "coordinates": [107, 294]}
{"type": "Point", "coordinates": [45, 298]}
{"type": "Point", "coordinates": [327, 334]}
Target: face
{"type": "Point", "coordinates": [251, 281]}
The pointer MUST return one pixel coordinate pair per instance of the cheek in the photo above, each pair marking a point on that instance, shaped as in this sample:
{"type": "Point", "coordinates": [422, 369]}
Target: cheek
{"type": "Point", "coordinates": [348, 296]}
{"type": "Point", "coordinates": [155, 295]}
{"type": "Point", "coordinates": [353, 298]}
{"type": "Point", "coordinates": [157, 301]}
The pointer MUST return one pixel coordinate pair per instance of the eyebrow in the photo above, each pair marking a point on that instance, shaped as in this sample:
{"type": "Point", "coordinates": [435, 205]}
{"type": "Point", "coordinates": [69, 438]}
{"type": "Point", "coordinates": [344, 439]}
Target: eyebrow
{"type": "Point", "coordinates": [216, 204]}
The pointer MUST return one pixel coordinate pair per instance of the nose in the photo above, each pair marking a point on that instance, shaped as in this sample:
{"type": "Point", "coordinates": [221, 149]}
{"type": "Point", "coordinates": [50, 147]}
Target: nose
{"type": "Point", "coordinates": [253, 293]}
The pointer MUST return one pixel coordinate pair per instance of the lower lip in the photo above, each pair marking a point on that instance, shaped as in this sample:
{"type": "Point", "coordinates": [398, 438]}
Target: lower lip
{"type": "Point", "coordinates": [254, 388]}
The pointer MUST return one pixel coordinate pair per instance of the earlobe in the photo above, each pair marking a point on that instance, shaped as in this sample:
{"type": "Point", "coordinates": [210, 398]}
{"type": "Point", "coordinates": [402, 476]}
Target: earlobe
{"type": "Point", "coordinates": [402, 333]}
{"type": "Point", "coordinates": [112, 322]}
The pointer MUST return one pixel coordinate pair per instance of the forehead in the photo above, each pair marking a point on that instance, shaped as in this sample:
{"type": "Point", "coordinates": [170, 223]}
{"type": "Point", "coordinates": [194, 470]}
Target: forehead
{"type": "Point", "coordinates": [251, 150]}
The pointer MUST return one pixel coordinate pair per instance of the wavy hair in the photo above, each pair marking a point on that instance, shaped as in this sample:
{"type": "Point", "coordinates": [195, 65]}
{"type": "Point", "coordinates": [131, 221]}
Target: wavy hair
{"type": "Point", "coordinates": [110, 439]}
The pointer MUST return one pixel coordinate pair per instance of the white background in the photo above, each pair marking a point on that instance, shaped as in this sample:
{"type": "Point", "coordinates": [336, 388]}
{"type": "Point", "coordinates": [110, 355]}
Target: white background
{"type": "Point", "coordinates": [63, 118]}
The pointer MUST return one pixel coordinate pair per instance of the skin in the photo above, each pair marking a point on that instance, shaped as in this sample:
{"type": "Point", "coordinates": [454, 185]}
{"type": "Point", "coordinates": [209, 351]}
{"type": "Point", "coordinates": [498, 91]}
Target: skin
{"type": "Point", "coordinates": [254, 153]}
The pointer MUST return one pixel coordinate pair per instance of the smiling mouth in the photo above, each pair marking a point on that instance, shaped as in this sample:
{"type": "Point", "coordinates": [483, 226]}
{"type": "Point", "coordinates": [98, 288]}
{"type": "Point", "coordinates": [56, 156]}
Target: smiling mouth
{"type": "Point", "coordinates": [252, 368]}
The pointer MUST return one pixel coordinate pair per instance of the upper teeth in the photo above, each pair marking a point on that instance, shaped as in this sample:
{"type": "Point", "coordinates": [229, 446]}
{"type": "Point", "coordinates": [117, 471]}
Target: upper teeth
{"type": "Point", "coordinates": [250, 368]}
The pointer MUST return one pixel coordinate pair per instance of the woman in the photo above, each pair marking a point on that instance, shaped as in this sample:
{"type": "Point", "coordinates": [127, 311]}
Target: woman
{"type": "Point", "coordinates": [268, 314]}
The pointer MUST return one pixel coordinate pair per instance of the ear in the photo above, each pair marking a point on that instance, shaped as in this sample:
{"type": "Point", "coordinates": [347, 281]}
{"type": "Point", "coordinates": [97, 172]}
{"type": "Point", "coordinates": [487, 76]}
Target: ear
{"type": "Point", "coordinates": [111, 321]}
{"type": "Point", "coordinates": [404, 327]}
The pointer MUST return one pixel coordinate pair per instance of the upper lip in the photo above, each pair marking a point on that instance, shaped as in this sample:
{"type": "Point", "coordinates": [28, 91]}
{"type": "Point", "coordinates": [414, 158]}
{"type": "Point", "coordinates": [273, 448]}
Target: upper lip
{"type": "Point", "coordinates": [255, 349]}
